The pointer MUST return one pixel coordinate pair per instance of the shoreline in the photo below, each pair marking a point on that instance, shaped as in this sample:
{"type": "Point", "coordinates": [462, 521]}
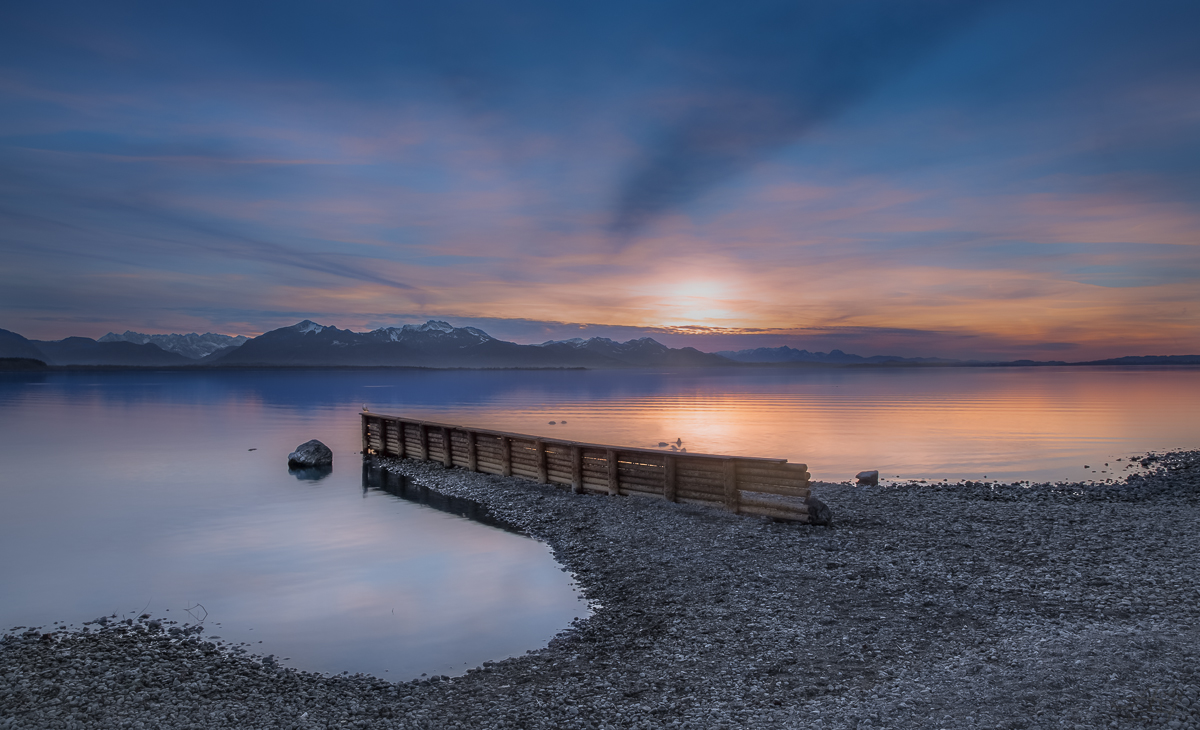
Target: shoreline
{"type": "Point", "coordinates": [924, 605]}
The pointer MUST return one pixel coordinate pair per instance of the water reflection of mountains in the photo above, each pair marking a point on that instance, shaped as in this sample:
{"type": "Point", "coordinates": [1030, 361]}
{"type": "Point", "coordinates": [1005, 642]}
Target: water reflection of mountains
{"type": "Point", "coordinates": [382, 389]}
{"type": "Point", "coordinates": [376, 477]}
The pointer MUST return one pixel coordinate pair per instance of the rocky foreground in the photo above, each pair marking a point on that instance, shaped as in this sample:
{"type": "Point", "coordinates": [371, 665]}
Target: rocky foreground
{"type": "Point", "coordinates": [921, 607]}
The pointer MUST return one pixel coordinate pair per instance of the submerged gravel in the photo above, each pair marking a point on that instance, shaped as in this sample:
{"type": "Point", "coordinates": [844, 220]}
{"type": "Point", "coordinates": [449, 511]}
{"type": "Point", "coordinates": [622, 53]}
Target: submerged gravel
{"type": "Point", "coordinates": [922, 606]}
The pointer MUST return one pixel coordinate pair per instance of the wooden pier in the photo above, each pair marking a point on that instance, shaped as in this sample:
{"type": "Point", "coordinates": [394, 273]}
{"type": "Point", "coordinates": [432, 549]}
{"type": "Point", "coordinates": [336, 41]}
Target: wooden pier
{"type": "Point", "coordinates": [745, 485]}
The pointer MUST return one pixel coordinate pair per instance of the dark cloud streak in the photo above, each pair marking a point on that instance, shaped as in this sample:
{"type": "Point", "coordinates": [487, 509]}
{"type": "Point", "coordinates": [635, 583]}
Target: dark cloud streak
{"type": "Point", "coordinates": [771, 78]}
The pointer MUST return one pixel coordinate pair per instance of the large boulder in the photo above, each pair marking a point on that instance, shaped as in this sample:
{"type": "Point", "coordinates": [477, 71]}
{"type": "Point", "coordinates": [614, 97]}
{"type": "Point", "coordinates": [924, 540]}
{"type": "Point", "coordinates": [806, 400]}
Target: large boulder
{"type": "Point", "coordinates": [311, 454]}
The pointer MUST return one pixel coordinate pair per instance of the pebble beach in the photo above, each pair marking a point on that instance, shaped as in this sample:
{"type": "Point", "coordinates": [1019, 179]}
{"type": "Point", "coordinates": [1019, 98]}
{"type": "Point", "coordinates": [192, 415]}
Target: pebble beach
{"type": "Point", "coordinates": [972, 605]}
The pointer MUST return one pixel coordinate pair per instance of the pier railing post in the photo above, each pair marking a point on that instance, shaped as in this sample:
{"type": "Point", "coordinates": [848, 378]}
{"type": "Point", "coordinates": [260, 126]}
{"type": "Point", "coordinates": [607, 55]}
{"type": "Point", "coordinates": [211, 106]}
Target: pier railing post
{"type": "Point", "coordinates": [447, 449]}
{"type": "Point", "coordinates": [669, 479]}
{"type": "Point", "coordinates": [543, 469]}
{"type": "Point", "coordinates": [614, 486]}
{"type": "Point", "coordinates": [731, 488]}
{"type": "Point", "coordinates": [401, 447]}
{"type": "Point", "coordinates": [506, 456]}
{"type": "Point", "coordinates": [577, 469]}
{"type": "Point", "coordinates": [423, 436]}
{"type": "Point", "coordinates": [472, 452]}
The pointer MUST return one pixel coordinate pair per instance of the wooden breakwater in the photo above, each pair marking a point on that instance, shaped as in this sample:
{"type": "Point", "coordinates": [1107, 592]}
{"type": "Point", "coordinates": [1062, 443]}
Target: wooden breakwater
{"type": "Point", "coordinates": [745, 485]}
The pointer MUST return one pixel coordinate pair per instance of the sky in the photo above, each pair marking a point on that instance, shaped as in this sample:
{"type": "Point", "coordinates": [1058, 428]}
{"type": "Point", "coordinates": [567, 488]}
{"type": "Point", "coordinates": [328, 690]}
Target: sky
{"type": "Point", "coordinates": [1007, 178]}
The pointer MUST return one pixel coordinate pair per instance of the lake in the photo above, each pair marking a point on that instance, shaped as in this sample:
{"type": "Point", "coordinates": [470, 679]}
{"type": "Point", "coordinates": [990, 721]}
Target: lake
{"type": "Point", "coordinates": [157, 491]}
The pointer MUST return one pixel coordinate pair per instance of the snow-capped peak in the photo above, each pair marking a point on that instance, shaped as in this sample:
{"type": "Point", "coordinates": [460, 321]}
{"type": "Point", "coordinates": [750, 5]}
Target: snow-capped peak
{"type": "Point", "coordinates": [308, 326]}
{"type": "Point", "coordinates": [432, 325]}
{"type": "Point", "coordinates": [574, 342]}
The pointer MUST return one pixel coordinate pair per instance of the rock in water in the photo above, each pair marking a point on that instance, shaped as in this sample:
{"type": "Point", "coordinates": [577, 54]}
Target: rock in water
{"type": "Point", "coordinates": [311, 453]}
{"type": "Point", "coordinates": [818, 512]}
{"type": "Point", "coordinates": [868, 478]}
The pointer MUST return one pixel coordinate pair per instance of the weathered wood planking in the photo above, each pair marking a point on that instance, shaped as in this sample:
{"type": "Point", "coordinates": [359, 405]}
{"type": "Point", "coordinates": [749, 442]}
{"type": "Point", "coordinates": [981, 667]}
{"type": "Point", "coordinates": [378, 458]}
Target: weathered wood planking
{"type": "Point", "coordinates": [745, 485]}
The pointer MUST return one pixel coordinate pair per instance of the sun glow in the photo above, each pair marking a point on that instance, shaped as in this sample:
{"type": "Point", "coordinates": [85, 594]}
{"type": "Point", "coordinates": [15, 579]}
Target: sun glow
{"type": "Point", "coordinates": [698, 301]}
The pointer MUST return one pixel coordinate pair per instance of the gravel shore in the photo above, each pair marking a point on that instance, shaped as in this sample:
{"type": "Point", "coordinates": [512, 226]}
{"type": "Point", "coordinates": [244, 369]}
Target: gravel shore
{"type": "Point", "coordinates": [922, 606]}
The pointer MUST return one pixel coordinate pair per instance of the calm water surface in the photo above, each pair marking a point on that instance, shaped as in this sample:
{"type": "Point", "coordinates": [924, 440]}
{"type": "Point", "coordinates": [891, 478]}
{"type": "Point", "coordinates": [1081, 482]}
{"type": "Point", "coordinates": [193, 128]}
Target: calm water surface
{"type": "Point", "coordinates": [126, 491]}
{"type": "Point", "coordinates": [123, 493]}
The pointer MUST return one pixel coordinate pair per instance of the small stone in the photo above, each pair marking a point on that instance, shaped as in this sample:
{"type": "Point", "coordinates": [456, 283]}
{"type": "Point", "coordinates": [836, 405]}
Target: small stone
{"type": "Point", "coordinates": [868, 478]}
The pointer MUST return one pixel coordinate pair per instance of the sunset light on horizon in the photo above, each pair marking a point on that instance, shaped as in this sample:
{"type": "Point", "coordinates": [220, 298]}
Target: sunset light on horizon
{"type": "Point", "coordinates": [937, 179]}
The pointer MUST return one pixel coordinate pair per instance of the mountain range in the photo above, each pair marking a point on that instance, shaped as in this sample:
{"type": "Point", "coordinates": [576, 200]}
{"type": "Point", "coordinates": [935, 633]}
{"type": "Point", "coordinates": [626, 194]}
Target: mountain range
{"type": "Point", "coordinates": [192, 345]}
{"type": "Point", "coordinates": [435, 344]}
{"type": "Point", "coordinates": [439, 345]}
{"type": "Point", "coordinates": [787, 354]}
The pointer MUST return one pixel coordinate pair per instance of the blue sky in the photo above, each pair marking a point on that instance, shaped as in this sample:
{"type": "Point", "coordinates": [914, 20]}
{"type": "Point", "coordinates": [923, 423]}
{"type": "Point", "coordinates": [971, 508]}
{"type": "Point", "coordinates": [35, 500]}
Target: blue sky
{"type": "Point", "coordinates": [918, 178]}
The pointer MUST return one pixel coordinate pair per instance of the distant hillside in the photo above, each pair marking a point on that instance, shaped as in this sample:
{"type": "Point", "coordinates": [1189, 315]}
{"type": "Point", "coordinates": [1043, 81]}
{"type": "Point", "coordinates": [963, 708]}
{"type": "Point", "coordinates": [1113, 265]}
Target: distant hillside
{"type": "Point", "coordinates": [644, 352]}
{"type": "Point", "coordinates": [13, 345]}
{"type": "Point", "coordinates": [86, 351]}
{"type": "Point", "coordinates": [439, 345]}
{"type": "Point", "coordinates": [834, 357]}
{"type": "Point", "coordinates": [192, 346]}
{"type": "Point", "coordinates": [1149, 360]}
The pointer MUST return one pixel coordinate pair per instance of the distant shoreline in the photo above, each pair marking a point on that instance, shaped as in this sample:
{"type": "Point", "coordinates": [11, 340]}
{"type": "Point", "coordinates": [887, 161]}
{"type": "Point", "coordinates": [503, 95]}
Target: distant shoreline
{"type": "Point", "coordinates": [29, 365]}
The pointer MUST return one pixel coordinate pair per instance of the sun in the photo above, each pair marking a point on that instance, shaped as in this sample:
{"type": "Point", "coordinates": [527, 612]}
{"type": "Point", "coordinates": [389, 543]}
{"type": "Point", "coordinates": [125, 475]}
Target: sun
{"type": "Point", "coordinates": [703, 301]}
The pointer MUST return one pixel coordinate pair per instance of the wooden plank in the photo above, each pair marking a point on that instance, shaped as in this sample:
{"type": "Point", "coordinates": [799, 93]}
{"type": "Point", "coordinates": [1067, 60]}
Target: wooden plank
{"type": "Point", "coordinates": [423, 439]}
{"type": "Point", "coordinates": [633, 457]}
{"type": "Point", "coordinates": [576, 469]}
{"type": "Point", "coordinates": [594, 483]}
{"type": "Point", "coordinates": [778, 514]}
{"type": "Point", "coordinates": [782, 481]}
{"type": "Point", "coordinates": [689, 500]}
{"type": "Point", "coordinates": [506, 463]}
{"type": "Point", "coordinates": [559, 460]}
{"type": "Point", "coordinates": [669, 479]}
{"type": "Point", "coordinates": [708, 497]}
{"type": "Point", "coordinates": [718, 484]}
{"type": "Point", "coordinates": [489, 447]}
{"type": "Point", "coordinates": [542, 468]}
{"type": "Point", "coordinates": [717, 494]}
{"type": "Point", "coordinates": [472, 452]}
{"type": "Point", "coordinates": [640, 469]}
{"type": "Point", "coordinates": [614, 483]}
{"type": "Point", "coordinates": [487, 464]}
{"type": "Point", "coordinates": [520, 470]}
{"type": "Point", "coordinates": [731, 490]}
{"type": "Point", "coordinates": [630, 489]}
{"type": "Point", "coordinates": [642, 482]}
{"type": "Point", "coordinates": [773, 475]}
{"type": "Point", "coordinates": [774, 489]}
{"type": "Point", "coordinates": [490, 469]}
{"type": "Point", "coordinates": [717, 471]}
{"type": "Point", "coordinates": [459, 447]}
{"type": "Point", "coordinates": [750, 499]}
